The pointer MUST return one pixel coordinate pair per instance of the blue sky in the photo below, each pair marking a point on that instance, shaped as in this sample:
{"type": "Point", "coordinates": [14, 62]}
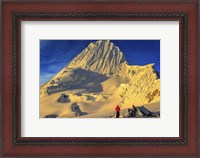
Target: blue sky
{"type": "Point", "coordinates": [56, 54]}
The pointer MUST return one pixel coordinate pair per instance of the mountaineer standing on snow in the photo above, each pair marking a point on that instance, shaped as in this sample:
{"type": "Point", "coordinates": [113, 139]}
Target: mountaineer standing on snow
{"type": "Point", "coordinates": [117, 109]}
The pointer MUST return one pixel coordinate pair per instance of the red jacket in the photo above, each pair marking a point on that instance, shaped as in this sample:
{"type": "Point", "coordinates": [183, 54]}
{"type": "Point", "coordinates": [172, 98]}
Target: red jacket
{"type": "Point", "coordinates": [117, 109]}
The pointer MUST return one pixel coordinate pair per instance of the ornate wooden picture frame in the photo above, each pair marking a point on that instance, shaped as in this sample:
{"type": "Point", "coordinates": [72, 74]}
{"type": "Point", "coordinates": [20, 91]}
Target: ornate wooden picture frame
{"type": "Point", "coordinates": [14, 13]}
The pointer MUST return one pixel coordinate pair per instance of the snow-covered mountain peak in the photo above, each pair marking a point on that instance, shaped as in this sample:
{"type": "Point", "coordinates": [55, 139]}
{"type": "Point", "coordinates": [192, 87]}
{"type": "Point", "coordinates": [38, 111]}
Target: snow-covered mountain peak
{"type": "Point", "coordinates": [101, 56]}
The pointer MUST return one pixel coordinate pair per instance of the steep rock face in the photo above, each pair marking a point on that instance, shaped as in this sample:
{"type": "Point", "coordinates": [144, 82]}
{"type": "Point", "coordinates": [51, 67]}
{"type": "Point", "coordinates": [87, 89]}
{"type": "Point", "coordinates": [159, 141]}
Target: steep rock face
{"type": "Point", "coordinates": [101, 57]}
{"type": "Point", "coordinates": [143, 87]}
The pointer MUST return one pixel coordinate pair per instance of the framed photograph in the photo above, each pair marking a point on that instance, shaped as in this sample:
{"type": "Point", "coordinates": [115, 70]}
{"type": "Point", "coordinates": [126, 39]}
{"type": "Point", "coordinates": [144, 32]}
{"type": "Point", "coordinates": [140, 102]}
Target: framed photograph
{"type": "Point", "coordinates": [100, 79]}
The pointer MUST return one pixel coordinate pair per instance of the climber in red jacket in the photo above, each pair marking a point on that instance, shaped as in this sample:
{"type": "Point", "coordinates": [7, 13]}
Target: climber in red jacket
{"type": "Point", "coordinates": [117, 109]}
